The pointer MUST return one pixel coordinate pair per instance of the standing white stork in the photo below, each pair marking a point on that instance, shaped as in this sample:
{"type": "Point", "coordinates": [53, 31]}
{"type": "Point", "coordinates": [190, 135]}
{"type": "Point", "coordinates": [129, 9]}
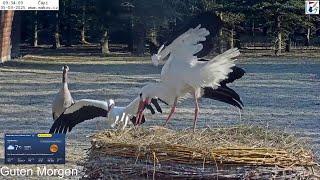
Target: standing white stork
{"type": "Point", "coordinates": [63, 99]}
{"type": "Point", "coordinates": [184, 73]}
{"type": "Point", "coordinates": [87, 109]}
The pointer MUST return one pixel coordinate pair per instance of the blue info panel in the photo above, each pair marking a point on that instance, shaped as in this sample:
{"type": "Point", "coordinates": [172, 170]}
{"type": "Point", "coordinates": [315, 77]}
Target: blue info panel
{"type": "Point", "coordinates": [34, 148]}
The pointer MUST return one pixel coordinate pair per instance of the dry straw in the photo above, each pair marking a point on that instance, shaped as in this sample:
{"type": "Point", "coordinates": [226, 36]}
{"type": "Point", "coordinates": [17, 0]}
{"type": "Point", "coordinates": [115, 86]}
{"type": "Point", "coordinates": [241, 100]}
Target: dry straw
{"type": "Point", "coordinates": [235, 146]}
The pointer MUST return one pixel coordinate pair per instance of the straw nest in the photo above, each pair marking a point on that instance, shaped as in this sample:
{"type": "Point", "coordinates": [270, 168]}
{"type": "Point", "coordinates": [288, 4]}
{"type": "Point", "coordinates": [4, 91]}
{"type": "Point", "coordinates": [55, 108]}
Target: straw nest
{"type": "Point", "coordinates": [236, 152]}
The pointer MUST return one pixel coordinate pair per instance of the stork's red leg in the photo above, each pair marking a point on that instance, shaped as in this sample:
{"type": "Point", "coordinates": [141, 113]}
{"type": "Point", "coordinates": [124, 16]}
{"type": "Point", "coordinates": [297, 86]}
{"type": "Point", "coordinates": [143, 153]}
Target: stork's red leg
{"type": "Point", "coordinates": [172, 110]}
{"type": "Point", "coordinates": [140, 112]}
{"type": "Point", "coordinates": [139, 119]}
{"type": "Point", "coordinates": [196, 112]}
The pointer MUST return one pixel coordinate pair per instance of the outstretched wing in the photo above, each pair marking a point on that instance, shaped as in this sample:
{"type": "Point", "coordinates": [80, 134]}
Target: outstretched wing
{"type": "Point", "coordinates": [185, 42]}
{"type": "Point", "coordinates": [80, 111]}
{"type": "Point", "coordinates": [223, 93]}
{"type": "Point", "coordinates": [186, 46]}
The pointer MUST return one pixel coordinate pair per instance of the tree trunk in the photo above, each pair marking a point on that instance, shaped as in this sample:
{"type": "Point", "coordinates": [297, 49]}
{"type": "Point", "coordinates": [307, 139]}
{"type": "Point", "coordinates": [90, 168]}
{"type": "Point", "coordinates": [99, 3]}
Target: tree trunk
{"type": "Point", "coordinates": [279, 37]}
{"type": "Point", "coordinates": [35, 29]}
{"type": "Point", "coordinates": [237, 42]}
{"type": "Point", "coordinates": [131, 39]}
{"type": "Point", "coordinates": [140, 46]}
{"type": "Point", "coordinates": [139, 39]}
{"type": "Point", "coordinates": [231, 38]}
{"type": "Point", "coordinates": [252, 28]}
{"type": "Point", "coordinates": [220, 46]}
{"type": "Point", "coordinates": [83, 24]}
{"type": "Point", "coordinates": [67, 26]}
{"type": "Point", "coordinates": [16, 35]}
{"type": "Point", "coordinates": [153, 36]}
{"type": "Point", "coordinates": [68, 42]}
{"type": "Point", "coordinates": [105, 44]}
{"type": "Point", "coordinates": [153, 42]}
{"type": "Point", "coordinates": [288, 44]}
{"type": "Point", "coordinates": [307, 43]}
{"type": "Point", "coordinates": [57, 43]}
{"type": "Point", "coordinates": [5, 35]}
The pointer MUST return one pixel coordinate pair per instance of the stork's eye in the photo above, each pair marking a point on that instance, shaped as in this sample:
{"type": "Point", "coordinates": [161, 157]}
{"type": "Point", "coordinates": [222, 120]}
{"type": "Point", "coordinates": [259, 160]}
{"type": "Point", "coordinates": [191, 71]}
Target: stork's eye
{"type": "Point", "coordinates": [140, 94]}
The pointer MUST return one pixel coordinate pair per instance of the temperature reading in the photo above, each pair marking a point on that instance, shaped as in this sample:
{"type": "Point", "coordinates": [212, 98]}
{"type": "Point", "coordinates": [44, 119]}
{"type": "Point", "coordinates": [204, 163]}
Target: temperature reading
{"type": "Point", "coordinates": [48, 5]}
{"type": "Point", "coordinates": [17, 147]}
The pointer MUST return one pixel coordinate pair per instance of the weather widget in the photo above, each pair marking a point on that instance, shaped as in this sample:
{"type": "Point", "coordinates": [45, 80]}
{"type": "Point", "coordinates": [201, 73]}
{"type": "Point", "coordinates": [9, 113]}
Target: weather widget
{"type": "Point", "coordinates": [34, 148]}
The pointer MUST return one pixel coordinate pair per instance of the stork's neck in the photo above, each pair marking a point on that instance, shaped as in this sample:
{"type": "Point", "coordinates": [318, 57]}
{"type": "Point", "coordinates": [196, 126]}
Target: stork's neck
{"type": "Point", "coordinates": [64, 77]}
{"type": "Point", "coordinates": [65, 86]}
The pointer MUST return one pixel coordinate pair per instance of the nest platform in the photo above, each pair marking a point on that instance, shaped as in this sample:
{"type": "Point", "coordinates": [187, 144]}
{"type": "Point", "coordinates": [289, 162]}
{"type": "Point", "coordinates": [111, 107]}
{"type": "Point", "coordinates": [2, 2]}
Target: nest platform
{"type": "Point", "coordinates": [223, 153]}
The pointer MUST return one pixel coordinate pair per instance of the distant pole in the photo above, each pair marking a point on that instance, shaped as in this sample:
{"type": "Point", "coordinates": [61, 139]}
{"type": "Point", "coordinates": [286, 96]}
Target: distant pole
{"type": "Point", "coordinates": [5, 35]}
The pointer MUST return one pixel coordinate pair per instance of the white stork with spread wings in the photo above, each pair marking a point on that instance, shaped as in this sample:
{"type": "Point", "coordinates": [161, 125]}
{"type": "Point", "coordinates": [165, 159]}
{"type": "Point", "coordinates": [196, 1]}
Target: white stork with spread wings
{"type": "Point", "coordinates": [87, 109]}
{"type": "Point", "coordinates": [184, 73]}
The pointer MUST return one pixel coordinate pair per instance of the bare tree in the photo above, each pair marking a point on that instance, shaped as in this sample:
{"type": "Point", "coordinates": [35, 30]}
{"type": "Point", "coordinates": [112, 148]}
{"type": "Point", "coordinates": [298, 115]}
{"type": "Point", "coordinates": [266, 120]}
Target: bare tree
{"type": "Point", "coordinates": [278, 42]}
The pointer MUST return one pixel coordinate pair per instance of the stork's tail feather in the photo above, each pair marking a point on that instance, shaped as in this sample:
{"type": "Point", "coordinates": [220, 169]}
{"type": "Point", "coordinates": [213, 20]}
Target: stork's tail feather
{"type": "Point", "coordinates": [223, 94]}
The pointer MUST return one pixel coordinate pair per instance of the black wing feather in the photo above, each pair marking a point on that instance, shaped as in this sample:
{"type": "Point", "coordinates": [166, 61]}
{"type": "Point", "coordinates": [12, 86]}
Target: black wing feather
{"type": "Point", "coordinates": [163, 101]}
{"type": "Point", "coordinates": [236, 73]}
{"type": "Point", "coordinates": [223, 94]}
{"type": "Point", "coordinates": [134, 120]}
{"type": "Point", "coordinates": [156, 104]}
{"type": "Point", "coordinates": [150, 108]}
{"type": "Point", "coordinates": [66, 122]}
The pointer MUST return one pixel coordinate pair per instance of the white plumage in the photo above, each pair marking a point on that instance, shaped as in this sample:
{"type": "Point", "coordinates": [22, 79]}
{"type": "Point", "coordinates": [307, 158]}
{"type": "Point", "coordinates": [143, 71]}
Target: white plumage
{"type": "Point", "coordinates": [86, 109]}
{"type": "Point", "coordinates": [86, 103]}
{"type": "Point", "coordinates": [184, 74]}
{"type": "Point", "coordinates": [122, 115]}
{"type": "Point", "coordinates": [183, 65]}
{"type": "Point", "coordinates": [63, 99]}
{"type": "Point", "coordinates": [82, 110]}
